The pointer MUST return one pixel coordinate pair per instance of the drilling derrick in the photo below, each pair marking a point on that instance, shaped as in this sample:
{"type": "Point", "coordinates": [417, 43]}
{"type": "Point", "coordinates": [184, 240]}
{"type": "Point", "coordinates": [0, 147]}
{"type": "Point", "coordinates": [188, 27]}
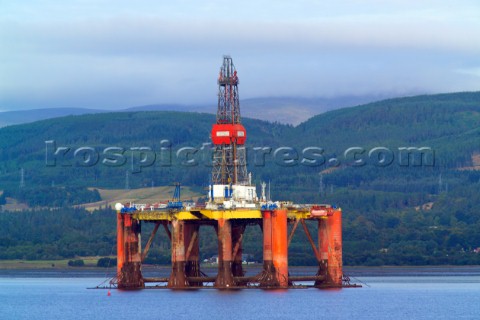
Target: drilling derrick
{"type": "Point", "coordinates": [228, 134]}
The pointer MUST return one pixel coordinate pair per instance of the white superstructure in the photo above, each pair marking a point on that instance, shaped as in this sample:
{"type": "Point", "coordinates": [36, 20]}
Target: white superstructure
{"type": "Point", "coordinates": [232, 196]}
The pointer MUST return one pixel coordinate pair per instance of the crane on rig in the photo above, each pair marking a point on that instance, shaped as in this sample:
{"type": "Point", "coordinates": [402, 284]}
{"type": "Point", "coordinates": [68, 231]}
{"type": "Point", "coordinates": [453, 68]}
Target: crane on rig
{"type": "Point", "coordinates": [175, 203]}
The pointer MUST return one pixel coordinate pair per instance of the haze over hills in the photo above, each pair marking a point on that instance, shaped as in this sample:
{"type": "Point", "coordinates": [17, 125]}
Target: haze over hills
{"type": "Point", "coordinates": [420, 213]}
{"type": "Point", "coordinates": [8, 118]}
{"type": "Point", "coordinates": [286, 110]}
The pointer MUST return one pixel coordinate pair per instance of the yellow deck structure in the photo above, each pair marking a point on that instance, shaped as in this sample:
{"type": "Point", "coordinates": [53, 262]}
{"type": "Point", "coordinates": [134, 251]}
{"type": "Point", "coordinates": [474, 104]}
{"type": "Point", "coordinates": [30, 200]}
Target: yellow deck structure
{"type": "Point", "coordinates": [207, 214]}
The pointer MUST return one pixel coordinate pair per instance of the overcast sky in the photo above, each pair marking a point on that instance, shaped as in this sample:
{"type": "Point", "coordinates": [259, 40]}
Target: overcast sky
{"type": "Point", "coordinates": [113, 54]}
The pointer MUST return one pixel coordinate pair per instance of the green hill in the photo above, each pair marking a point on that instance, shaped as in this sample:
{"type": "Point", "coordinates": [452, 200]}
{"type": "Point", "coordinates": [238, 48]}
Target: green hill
{"type": "Point", "coordinates": [24, 146]}
{"type": "Point", "coordinates": [448, 122]}
{"type": "Point", "coordinates": [394, 214]}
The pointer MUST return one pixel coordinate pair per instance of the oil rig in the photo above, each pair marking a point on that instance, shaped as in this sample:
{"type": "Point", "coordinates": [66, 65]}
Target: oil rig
{"type": "Point", "coordinates": [232, 205]}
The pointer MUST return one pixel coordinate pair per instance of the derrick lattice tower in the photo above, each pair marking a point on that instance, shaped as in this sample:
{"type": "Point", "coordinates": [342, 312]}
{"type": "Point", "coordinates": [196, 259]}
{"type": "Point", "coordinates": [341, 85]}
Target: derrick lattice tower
{"type": "Point", "coordinates": [228, 134]}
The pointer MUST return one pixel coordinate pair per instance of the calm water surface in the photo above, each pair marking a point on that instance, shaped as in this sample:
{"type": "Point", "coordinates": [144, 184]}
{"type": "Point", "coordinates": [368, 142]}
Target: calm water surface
{"type": "Point", "coordinates": [385, 297]}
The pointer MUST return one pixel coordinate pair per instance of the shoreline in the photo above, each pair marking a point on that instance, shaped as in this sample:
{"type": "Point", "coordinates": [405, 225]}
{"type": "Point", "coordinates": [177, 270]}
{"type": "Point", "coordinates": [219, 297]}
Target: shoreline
{"type": "Point", "coordinates": [61, 269]}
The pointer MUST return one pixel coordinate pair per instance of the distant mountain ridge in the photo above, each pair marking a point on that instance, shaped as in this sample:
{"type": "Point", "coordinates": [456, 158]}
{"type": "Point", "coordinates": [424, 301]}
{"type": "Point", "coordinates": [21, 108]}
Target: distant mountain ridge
{"type": "Point", "coordinates": [288, 110]}
{"type": "Point", "coordinates": [26, 116]}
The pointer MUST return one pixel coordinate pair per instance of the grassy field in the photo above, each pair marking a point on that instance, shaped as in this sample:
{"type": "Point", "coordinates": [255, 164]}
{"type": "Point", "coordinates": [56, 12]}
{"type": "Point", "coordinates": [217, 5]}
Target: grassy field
{"type": "Point", "coordinates": [112, 196]}
{"type": "Point", "coordinates": [47, 264]}
{"type": "Point", "coordinates": [142, 195]}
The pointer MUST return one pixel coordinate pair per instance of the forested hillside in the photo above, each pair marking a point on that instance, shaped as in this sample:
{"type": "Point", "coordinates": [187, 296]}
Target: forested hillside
{"type": "Point", "coordinates": [414, 213]}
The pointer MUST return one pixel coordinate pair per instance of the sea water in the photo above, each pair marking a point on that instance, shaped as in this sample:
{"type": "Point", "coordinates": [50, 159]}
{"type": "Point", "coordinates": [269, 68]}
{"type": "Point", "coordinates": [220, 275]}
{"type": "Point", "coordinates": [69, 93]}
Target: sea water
{"type": "Point", "coordinates": [65, 296]}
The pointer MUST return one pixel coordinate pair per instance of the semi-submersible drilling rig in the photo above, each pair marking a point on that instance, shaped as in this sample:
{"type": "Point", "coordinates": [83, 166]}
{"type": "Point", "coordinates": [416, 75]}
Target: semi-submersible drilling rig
{"type": "Point", "coordinates": [232, 205]}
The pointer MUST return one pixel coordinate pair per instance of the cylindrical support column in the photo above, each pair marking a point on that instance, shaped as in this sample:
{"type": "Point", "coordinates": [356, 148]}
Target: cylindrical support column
{"type": "Point", "coordinates": [323, 245]}
{"type": "Point", "coordinates": [128, 241]}
{"type": "Point", "coordinates": [225, 275]}
{"type": "Point", "coordinates": [335, 261]}
{"type": "Point", "coordinates": [237, 235]}
{"type": "Point", "coordinates": [268, 277]}
{"type": "Point", "coordinates": [280, 246]}
{"type": "Point", "coordinates": [177, 277]}
{"type": "Point", "coordinates": [330, 247]}
{"type": "Point", "coordinates": [120, 244]}
{"type": "Point", "coordinates": [267, 237]}
{"type": "Point", "coordinates": [192, 243]}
